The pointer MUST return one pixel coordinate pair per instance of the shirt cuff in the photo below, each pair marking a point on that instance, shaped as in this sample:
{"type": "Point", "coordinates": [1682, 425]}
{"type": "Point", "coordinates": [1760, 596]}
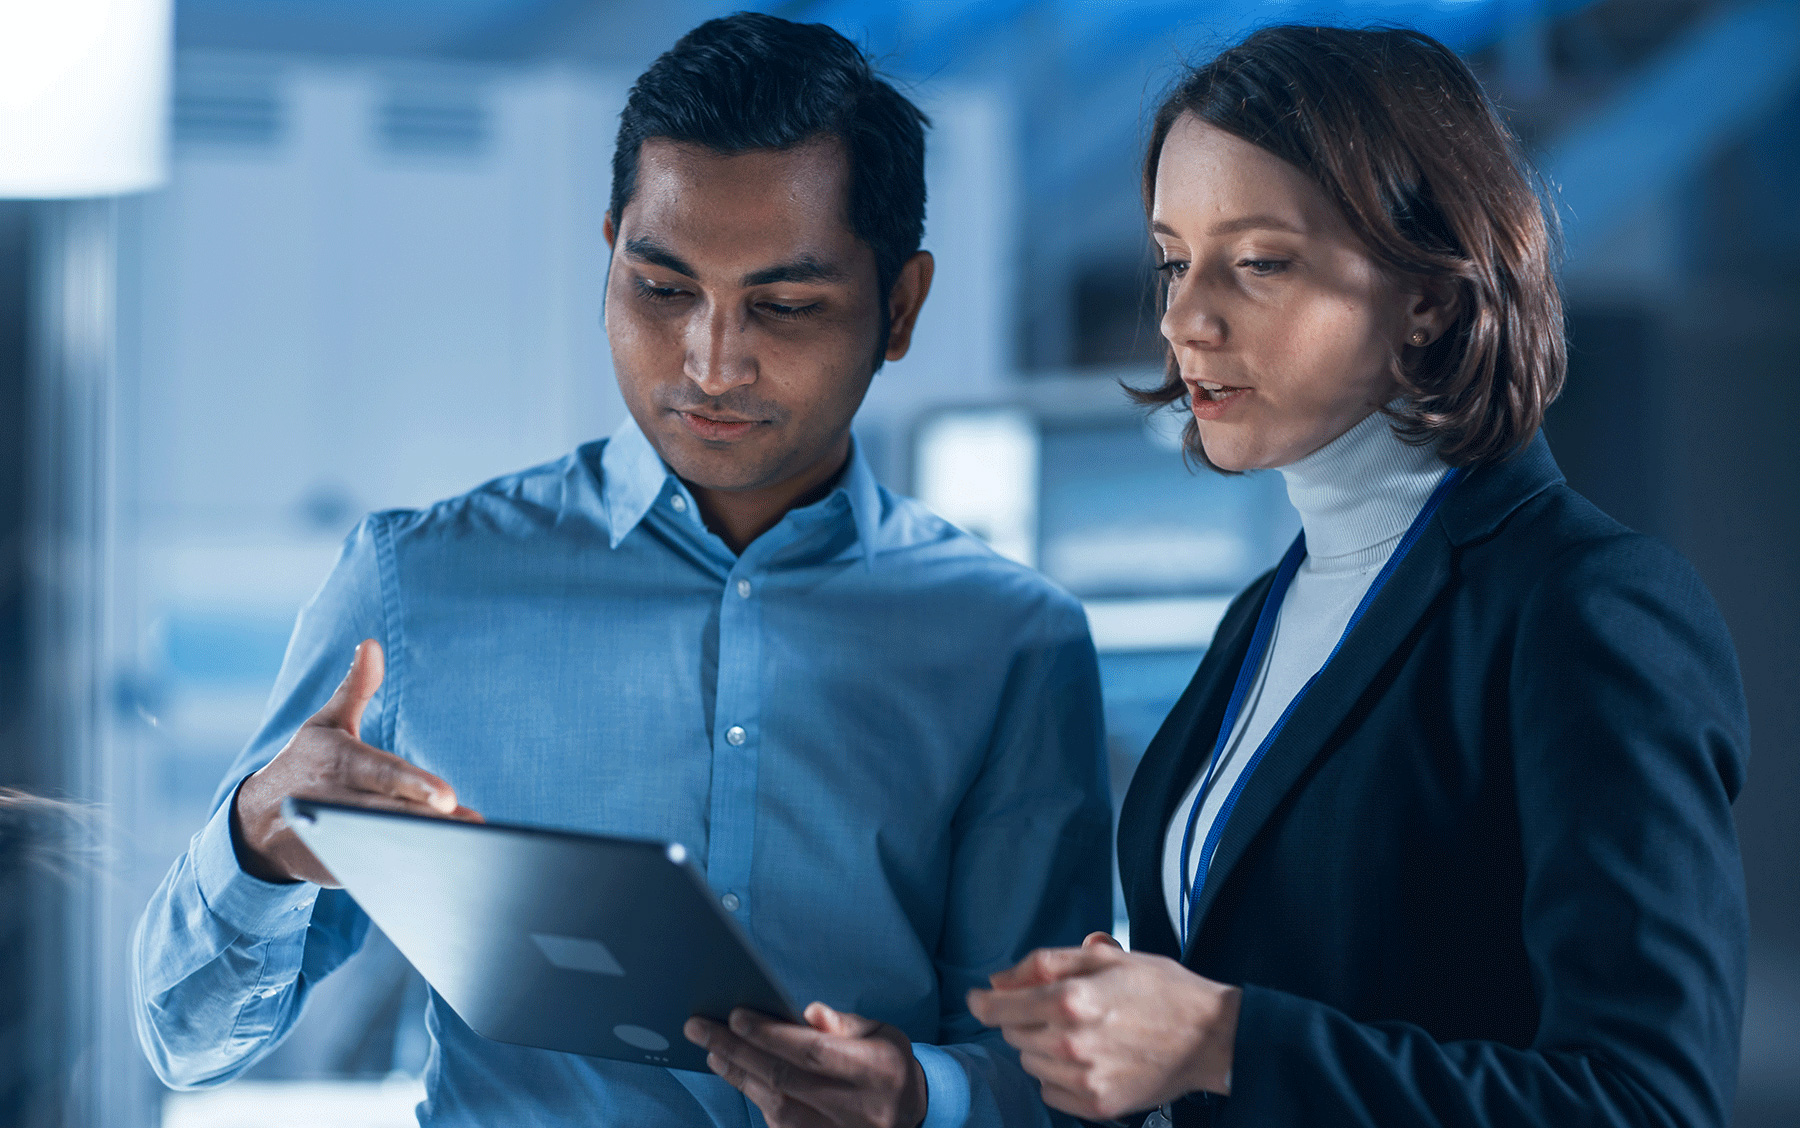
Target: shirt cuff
{"type": "Point", "coordinates": [249, 905]}
{"type": "Point", "coordinates": [946, 1087]}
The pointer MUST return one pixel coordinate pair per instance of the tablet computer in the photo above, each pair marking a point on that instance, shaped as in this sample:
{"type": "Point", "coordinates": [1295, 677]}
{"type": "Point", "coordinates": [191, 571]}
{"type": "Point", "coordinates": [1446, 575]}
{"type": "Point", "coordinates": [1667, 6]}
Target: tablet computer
{"type": "Point", "coordinates": [583, 943]}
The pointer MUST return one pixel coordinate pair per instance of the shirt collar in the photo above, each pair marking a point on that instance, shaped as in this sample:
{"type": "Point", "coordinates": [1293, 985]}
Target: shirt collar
{"type": "Point", "coordinates": [633, 478]}
{"type": "Point", "coordinates": [859, 485]}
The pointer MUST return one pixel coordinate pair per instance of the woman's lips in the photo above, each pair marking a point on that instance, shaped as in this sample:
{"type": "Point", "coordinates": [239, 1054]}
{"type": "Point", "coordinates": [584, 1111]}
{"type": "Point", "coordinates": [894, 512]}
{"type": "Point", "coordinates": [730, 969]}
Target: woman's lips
{"type": "Point", "coordinates": [716, 430]}
{"type": "Point", "coordinates": [1212, 403]}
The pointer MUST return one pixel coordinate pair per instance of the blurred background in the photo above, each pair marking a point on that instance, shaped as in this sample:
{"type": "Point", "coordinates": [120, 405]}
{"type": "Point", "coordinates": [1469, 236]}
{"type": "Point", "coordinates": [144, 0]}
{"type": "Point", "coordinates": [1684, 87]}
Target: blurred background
{"type": "Point", "coordinates": [339, 255]}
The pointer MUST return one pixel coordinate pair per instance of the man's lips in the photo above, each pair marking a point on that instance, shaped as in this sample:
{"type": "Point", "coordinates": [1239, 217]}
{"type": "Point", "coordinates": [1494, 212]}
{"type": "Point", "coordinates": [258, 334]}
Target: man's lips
{"type": "Point", "coordinates": [716, 428]}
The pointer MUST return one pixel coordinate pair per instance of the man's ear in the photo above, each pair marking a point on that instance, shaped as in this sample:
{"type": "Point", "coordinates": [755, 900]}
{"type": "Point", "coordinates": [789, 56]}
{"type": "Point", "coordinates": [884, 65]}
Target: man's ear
{"type": "Point", "coordinates": [606, 229]}
{"type": "Point", "coordinates": [904, 301]}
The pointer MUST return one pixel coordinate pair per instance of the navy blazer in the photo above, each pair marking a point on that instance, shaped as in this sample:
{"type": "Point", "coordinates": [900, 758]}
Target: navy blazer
{"type": "Point", "coordinates": [1487, 875]}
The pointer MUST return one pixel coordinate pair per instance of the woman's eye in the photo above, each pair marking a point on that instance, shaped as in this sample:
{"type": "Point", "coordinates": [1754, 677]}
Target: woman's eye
{"type": "Point", "coordinates": [1174, 268]}
{"type": "Point", "coordinates": [1263, 268]}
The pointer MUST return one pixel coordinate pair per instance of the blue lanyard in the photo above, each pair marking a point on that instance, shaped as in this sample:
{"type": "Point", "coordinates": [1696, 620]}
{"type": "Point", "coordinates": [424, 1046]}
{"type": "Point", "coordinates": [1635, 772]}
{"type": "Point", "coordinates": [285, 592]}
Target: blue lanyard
{"type": "Point", "coordinates": [1259, 643]}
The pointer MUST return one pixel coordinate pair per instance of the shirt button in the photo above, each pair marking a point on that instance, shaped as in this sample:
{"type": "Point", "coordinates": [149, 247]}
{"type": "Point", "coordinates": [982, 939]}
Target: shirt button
{"type": "Point", "coordinates": [743, 589]}
{"type": "Point", "coordinates": [678, 503]}
{"type": "Point", "coordinates": [734, 734]}
{"type": "Point", "coordinates": [731, 902]}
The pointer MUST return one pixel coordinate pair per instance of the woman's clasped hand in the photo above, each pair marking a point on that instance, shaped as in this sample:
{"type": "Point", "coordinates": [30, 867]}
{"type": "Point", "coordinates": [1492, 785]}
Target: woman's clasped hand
{"type": "Point", "coordinates": [1108, 1031]}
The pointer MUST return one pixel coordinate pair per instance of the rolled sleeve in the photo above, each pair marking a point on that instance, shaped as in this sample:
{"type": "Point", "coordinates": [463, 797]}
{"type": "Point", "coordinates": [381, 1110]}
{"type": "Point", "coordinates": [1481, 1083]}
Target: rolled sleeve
{"type": "Point", "coordinates": [247, 904]}
{"type": "Point", "coordinates": [946, 1087]}
{"type": "Point", "coordinates": [219, 954]}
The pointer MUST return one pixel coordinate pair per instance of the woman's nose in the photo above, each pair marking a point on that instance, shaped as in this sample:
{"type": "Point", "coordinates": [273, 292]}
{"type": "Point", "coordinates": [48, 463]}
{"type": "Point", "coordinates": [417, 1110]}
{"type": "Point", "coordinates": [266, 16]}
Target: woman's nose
{"type": "Point", "coordinates": [1189, 320]}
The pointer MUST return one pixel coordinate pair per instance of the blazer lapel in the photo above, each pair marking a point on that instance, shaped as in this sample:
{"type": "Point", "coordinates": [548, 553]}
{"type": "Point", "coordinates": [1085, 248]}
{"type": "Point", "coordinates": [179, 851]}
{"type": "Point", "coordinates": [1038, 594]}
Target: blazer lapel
{"type": "Point", "coordinates": [1175, 755]}
{"type": "Point", "coordinates": [1396, 611]}
{"type": "Point", "coordinates": [1476, 509]}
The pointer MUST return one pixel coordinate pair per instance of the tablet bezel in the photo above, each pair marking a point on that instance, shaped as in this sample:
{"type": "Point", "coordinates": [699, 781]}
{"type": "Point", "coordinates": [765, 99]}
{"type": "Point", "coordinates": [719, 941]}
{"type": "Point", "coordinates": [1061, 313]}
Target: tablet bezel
{"type": "Point", "coordinates": [684, 896]}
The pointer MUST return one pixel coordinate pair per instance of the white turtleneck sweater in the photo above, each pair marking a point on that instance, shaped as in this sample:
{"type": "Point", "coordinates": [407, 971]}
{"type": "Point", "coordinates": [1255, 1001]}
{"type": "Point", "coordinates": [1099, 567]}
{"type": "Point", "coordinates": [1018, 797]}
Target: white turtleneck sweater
{"type": "Point", "coordinates": [1357, 495]}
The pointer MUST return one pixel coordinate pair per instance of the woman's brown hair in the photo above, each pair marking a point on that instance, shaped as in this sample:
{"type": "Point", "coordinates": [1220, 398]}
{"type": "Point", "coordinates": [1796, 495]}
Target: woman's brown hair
{"type": "Point", "coordinates": [1398, 132]}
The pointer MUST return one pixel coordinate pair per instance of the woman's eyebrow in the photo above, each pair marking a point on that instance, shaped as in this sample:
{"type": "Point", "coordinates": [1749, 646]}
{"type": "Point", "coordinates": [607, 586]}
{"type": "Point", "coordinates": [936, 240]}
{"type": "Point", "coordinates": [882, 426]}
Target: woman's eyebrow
{"type": "Point", "coordinates": [1233, 226]}
{"type": "Point", "coordinates": [1254, 222]}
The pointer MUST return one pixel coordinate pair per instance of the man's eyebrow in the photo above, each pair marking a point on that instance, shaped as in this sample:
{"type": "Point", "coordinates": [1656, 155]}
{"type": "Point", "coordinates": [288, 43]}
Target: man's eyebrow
{"type": "Point", "coordinates": [803, 269]}
{"type": "Point", "coordinates": [1233, 226]}
{"type": "Point", "coordinates": [653, 252]}
{"type": "Point", "coordinates": [806, 268]}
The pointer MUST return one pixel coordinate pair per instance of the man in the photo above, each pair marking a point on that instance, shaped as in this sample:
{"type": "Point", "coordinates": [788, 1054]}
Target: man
{"type": "Point", "coordinates": [881, 740]}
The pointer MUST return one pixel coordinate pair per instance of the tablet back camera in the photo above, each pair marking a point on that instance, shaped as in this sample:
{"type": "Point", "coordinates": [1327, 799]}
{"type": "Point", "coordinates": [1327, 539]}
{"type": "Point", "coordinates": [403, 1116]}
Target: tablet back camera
{"type": "Point", "coordinates": [640, 1036]}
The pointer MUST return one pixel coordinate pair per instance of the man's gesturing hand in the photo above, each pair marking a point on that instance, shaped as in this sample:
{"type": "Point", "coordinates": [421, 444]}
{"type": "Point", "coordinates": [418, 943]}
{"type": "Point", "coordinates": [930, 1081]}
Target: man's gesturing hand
{"type": "Point", "coordinates": [326, 760]}
{"type": "Point", "coordinates": [841, 1070]}
{"type": "Point", "coordinates": [1108, 1031]}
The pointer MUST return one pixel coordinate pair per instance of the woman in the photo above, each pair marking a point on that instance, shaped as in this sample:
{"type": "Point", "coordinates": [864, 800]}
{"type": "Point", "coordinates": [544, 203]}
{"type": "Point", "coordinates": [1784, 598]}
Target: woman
{"type": "Point", "coordinates": [1440, 832]}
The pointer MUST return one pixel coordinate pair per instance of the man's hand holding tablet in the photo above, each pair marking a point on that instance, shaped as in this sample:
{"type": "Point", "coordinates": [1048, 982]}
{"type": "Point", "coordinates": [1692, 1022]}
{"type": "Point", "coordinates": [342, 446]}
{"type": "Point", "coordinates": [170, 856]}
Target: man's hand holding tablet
{"type": "Point", "coordinates": [327, 760]}
{"type": "Point", "coordinates": [838, 1070]}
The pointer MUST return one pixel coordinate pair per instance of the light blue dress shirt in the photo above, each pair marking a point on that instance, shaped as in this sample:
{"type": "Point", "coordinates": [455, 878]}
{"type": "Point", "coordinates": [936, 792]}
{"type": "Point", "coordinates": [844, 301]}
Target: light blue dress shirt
{"type": "Point", "coordinates": [881, 741]}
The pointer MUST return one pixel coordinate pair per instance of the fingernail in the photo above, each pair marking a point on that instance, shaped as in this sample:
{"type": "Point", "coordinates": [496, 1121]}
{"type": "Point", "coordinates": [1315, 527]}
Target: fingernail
{"type": "Point", "coordinates": [740, 1021]}
{"type": "Point", "coordinates": [694, 1032]}
{"type": "Point", "coordinates": [715, 1063]}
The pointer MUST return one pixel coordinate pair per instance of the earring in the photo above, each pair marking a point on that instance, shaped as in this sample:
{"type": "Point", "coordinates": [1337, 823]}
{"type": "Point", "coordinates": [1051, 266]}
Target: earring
{"type": "Point", "coordinates": [1419, 337]}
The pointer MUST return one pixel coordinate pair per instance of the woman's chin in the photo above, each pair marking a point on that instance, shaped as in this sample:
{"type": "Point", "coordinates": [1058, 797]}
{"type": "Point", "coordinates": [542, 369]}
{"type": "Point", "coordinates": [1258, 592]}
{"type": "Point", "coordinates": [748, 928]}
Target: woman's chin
{"type": "Point", "coordinates": [1226, 454]}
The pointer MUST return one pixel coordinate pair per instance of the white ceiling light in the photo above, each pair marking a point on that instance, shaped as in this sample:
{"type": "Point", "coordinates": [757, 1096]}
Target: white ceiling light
{"type": "Point", "coordinates": [84, 91]}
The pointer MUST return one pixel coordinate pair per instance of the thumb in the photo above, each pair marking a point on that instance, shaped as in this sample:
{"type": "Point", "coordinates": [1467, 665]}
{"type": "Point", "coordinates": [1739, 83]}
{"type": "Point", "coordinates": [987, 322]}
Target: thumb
{"type": "Point", "coordinates": [1102, 940]}
{"type": "Point", "coordinates": [345, 709]}
{"type": "Point", "coordinates": [821, 1017]}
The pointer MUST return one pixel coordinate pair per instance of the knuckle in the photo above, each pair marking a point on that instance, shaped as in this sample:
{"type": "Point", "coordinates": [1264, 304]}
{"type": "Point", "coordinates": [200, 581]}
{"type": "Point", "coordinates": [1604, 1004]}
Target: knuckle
{"type": "Point", "coordinates": [1069, 1004]}
{"type": "Point", "coordinates": [1084, 1004]}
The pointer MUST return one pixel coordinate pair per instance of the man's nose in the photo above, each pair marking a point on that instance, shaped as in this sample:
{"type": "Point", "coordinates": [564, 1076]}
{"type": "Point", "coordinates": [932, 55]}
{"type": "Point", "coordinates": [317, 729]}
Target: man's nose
{"type": "Point", "coordinates": [718, 356]}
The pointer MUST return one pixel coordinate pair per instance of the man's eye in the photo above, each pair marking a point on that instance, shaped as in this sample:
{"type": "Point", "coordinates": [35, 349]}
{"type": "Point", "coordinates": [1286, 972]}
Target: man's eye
{"type": "Point", "coordinates": [789, 312]}
{"type": "Point", "coordinates": [657, 293]}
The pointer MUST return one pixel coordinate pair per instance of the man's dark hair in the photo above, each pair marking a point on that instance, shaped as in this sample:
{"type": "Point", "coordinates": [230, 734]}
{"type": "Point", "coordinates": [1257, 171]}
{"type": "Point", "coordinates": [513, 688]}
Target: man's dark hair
{"type": "Point", "coordinates": [751, 81]}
